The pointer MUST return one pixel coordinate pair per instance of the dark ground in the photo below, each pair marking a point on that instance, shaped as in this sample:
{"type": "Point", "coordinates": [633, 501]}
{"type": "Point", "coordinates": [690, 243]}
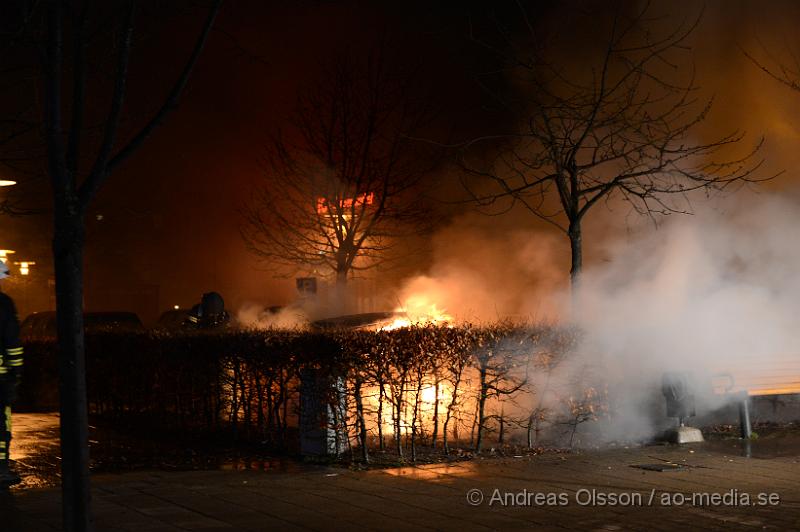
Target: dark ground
{"type": "Point", "coordinates": [36, 453]}
{"type": "Point", "coordinates": [237, 492]}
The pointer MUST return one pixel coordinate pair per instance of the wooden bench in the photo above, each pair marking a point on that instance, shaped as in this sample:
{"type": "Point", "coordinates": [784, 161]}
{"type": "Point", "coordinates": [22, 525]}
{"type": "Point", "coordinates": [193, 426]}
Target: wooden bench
{"type": "Point", "coordinates": [757, 378]}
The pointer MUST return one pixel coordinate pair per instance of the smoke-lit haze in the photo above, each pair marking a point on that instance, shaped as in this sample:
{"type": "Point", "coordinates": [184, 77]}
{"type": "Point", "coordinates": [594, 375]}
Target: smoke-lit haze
{"type": "Point", "coordinates": [710, 294]}
{"type": "Point", "coordinates": [254, 315]}
{"type": "Point", "coordinates": [172, 212]}
{"type": "Point", "coordinates": [713, 293]}
{"type": "Point", "coordinates": [699, 292]}
{"type": "Point", "coordinates": [484, 270]}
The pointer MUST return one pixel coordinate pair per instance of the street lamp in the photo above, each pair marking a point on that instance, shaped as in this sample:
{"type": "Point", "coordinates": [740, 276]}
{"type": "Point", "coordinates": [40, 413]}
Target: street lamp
{"type": "Point", "coordinates": [4, 253]}
{"type": "Point", "coordinates": [25, 266]}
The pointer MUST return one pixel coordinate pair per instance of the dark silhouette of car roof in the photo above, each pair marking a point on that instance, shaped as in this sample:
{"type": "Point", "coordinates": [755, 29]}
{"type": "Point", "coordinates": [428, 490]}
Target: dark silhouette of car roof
{"type": "Point", "coordinates": [42, 325]}
{"type": "Point", "coordinates": [172, 319]}
{"type": "Point", "coordinates": [356, 321]}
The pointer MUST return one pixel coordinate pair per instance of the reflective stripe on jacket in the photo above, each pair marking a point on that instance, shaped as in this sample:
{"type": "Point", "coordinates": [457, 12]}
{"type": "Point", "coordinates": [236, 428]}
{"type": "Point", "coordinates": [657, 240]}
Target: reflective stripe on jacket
{"type": "Point", "coordinates": [12, 352]}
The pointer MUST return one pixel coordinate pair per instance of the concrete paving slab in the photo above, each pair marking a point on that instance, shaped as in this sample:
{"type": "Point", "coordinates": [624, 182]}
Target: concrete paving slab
{"type": "Point", "coordinates": [435, 497]}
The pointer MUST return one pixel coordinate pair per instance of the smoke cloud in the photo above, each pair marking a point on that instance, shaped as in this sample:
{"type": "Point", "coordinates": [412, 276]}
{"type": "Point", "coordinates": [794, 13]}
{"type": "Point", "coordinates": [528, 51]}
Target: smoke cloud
{"type": "Point", "coordinates": [253, 315]}
{"type": "Point", "coordinates": [716, 294]}
{"type": "Point", "coordinates": [711, 294]}
{"type": "Point", "coordinates": [483, 271]}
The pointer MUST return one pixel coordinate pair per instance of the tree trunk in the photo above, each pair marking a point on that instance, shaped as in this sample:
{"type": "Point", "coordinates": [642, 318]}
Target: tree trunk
{"type": "Point", "coordinates": [341, 277]}
{"type": "Point", "coordinates": [414, 416]}
{"type": "Point", "coordinates": [481, 417]}
{"type": "Point", "coordinates": [435, 434]}
{"type": "Point", "coordinates": [234, 415]}
{"type": "Point", "coordinates": [381, 395]}
{"type": "Point", "coordinates": [342, 302]}
{"type": "Point", "coordinates": [474, 424]}
{"type": "Point", "coordinates": [576, 247]}
{"type": "Point", "coordinates": [68, 260]}
{"type": "Point", "coordinates": [530, 432]}
{"type": "Point", "coordinates": [398, 408]}
{"type": "Point", "coordinates": [448, 416]}
{"type": "Point", "coordinates": [362, 423]}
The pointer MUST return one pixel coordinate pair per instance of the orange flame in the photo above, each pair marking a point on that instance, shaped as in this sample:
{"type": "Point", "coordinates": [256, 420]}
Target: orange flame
{"type": "Point", "coordinates": [419, 310]}
{"type": "Point", "coordinates": [324, 204]}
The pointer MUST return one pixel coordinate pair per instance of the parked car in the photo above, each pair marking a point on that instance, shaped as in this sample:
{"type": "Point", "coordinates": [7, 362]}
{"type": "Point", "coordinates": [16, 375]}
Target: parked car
{"type": "Point", "coordinates": [172, 320]}
{"type": "Point", "coordinates": [42, 325]}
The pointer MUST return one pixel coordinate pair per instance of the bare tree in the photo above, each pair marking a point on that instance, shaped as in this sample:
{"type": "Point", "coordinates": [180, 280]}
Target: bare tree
{"type": "Point", "coordinates": [455, 363]}
{"type": "Point", "coordinates": [621, 121]}
{"type": "Point", "coordinates": [498, 374]}
{"type": "Point", "coordinates": [343, 184]}
{"type": "Point", "coordinates": [785, 73]}
{"type": "Point", "coordinates": [74, 188]}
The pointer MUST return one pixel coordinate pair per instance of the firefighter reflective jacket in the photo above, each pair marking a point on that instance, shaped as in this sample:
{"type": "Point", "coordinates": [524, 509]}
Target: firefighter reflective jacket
{"type": "Point", "coordinates": [11, 354]}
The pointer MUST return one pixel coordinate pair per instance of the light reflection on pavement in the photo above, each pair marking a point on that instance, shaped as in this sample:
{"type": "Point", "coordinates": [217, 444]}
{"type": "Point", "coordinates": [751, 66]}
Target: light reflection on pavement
{"type": "Point", "coordinates": [35, 449]}
{"type": "Point", "coordinates": [36, 452]}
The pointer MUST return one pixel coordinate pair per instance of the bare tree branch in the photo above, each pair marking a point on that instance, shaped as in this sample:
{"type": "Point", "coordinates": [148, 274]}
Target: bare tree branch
{"type": "Point", "coordinates": [345, 184]}
{"type": "Point", "coordinates": [172, 99]}
{"type": "Point", "coordinates": [619, 123]}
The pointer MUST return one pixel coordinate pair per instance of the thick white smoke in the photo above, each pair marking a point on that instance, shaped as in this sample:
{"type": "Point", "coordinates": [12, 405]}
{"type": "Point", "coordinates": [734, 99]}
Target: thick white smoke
{"type": "Point", "coordinates": [710, 294]}
{"type": "Point", "coordinates": [253, 315]}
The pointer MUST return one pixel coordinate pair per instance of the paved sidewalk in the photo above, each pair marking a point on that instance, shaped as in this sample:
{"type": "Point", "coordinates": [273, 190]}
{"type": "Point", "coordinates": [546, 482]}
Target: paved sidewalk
{"type": "Point", "coordinates": [435, 496]}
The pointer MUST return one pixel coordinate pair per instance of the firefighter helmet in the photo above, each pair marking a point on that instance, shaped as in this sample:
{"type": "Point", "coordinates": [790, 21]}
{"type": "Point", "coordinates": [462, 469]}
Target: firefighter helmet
{"type": "Point", "coordinates": [212, 305]}
{"type": "Point", "coordinates": [3, 270]}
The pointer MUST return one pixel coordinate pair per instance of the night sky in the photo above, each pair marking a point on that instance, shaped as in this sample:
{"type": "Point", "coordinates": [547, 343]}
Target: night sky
{"type": "Point", "coordinates": [167, 223]}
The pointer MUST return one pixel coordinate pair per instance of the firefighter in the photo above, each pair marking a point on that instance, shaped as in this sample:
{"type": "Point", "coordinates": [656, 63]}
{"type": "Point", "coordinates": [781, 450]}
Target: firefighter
{"type": "Point", "coordinates": [209, 313]}
{"type": "Point", "coordinates": [194, 318]}
{"type": "Point", "coordinates": [10, 372]}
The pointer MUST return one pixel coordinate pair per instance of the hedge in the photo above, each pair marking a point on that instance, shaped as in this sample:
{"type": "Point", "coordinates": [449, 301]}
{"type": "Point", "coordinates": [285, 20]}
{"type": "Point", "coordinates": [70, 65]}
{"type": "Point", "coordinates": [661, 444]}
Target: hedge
{"type": "Point", "coordinates": [417, 386]}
